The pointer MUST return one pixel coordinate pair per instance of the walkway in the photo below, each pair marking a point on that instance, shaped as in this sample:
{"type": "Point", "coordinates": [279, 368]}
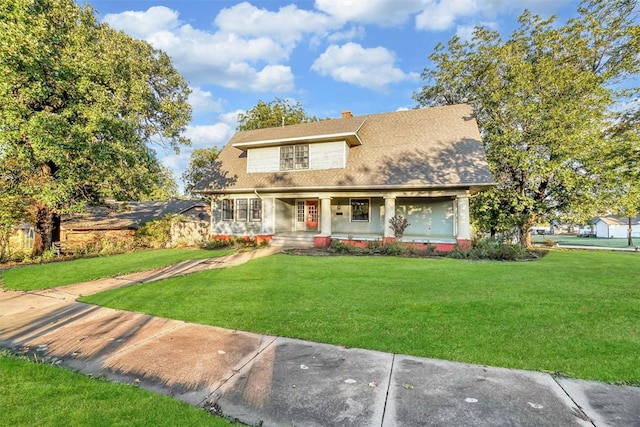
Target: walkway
{"type": "Point", "coordinates": [280, 381]}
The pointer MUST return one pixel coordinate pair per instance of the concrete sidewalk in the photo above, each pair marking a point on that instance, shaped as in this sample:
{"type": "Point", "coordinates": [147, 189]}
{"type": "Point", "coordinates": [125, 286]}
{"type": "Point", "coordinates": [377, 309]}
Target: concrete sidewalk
{"type": "Point", "coordinates": [280, 381]}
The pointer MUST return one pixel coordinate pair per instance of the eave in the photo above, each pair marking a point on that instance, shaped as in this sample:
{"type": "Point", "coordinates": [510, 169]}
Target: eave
{"type": "Point", "coordinates": [351, 138]}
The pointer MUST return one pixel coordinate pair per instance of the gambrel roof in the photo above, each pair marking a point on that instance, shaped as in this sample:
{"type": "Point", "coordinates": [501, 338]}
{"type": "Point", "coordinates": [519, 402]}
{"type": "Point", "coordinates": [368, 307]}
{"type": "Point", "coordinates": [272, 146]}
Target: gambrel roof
{"type": "Point", "coordinates": [414, 149]}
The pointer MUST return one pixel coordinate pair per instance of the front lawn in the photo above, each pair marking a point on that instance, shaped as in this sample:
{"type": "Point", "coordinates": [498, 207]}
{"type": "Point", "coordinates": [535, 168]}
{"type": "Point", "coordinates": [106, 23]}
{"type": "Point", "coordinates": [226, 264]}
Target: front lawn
{"type": "Point", "coordinates": [35, 394]}
{"type": "Point", "coordinates": [566, 239]}
{"type": "Point", "coordinates": [42, 276]}
{"type": "Point", "coordinates": [575, 313]}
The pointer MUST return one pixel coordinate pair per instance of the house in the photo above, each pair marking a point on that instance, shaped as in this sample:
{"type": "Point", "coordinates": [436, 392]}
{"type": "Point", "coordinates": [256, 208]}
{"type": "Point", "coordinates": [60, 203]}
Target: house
{"type": "Point", "coordinates": [120, 220]}
{"type": "Point", "coordinates": [21, 238]}
{"type": "Point", "coordinates": [345, 178]}
{"type": "Point", "coordinates": [610, 226]}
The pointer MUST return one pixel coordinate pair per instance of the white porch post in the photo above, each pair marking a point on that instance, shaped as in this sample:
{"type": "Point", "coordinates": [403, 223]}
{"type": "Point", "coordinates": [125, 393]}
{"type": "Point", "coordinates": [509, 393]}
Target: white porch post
{"type": "Point", "coordinates": [464, 221]}
{"type": "Point", "coordinates": [389, 211]}
{"type": "Point", "coordinates": [325, 216]}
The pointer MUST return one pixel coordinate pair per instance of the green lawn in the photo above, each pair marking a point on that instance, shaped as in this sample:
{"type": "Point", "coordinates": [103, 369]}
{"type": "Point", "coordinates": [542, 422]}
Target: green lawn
{"type": "Point", "coordinates": [34, 394]}
{"type": "Point", "coordinates": [585, 241]}
{"type": "Point", "coordinates": [42, 276]}
{"type": "Point", "coordinates": [573, 312]}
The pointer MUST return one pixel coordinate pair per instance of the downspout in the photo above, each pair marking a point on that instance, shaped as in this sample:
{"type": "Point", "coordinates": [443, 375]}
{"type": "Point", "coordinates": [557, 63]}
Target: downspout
{"type": "Point", "coordinates": [262, 204]}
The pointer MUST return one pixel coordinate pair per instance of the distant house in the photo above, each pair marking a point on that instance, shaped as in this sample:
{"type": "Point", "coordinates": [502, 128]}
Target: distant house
{"type": "Point", "coordinates": [21, 238]}
{"type": "Point", "coordinates": [120, 220]}
{"type": "Point", "coordinates": [610, 226]}
{"type": "Point", "coordinates": [345, 178]}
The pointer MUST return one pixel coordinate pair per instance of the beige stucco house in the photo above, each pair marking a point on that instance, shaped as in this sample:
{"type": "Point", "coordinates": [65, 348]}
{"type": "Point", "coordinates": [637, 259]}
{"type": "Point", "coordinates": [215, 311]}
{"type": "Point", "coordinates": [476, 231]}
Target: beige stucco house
{"type": "Point", "coordinates": [345, 178]}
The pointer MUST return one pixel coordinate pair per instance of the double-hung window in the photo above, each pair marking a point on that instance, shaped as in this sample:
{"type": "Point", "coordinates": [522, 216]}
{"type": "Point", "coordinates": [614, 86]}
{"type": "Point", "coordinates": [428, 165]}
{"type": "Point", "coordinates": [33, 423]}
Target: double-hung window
{"type": "Point", "coordinates": [360, 210]}
{"type": "Point", "coordinates": [241, 209]}
{"type": "Point", "coordinates": [302, 156]}
{"type": "Point", "coordinates": [227, 209]}
{"type": "Point", "coordinates": [255, 210]}
{"type": "Point", "coordinates": [294, 157]}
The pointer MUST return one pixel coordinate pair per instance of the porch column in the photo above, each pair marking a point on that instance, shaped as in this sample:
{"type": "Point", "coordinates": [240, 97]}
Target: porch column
{"type": "Point", "coordinates": [325, 216]}
{"type": "Point", "coordinates": [389, 211]}
{"type": "Point", "coordinates": [464, 222]}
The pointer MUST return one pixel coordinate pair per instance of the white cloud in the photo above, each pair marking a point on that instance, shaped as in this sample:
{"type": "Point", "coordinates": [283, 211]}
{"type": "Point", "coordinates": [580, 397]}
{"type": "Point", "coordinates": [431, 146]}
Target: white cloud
{"type": "Point", "coordinates": [207, 136]}
{"type": "Point", "coordinates": [202, 101]}
{"type": "Point", "coordinates": [353, 33]}
{"type": "Point", "coordinates": [143, 24]}
{"type": "Point", "coordinates": [201, 136]}
{"type": "Point", "coordinates": [372, 68]}
{"type": "Point", "coordinates": [380, 12]}
{"type": "Point", "coordinates": [439, 15]}
{"type": "Point", "coordinates": [225, 59]}
{"type": "Point", "coordinates": [442, 15]}
{"type": "Point", "coordinates": [288, 25]}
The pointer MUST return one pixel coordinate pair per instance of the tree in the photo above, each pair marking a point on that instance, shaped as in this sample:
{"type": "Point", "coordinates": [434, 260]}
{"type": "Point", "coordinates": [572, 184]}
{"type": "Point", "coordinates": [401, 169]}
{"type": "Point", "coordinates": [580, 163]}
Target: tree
{"type": "Point", "coordinates": [543, 100]}
{"type": "Point", "coordinates": [80, 102]}
{"type": "Point", "coordinates": [278, 112]}
{"type": "Point", "coordinates": [203, 164]}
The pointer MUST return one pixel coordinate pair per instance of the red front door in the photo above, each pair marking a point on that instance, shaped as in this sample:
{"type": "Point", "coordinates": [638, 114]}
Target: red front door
{"type": "Point", "coordinates": [312, 214]}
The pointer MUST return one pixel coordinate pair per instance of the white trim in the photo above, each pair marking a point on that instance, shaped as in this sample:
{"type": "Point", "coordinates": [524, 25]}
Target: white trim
{"type": "Point", "coordinates": [351, 137]}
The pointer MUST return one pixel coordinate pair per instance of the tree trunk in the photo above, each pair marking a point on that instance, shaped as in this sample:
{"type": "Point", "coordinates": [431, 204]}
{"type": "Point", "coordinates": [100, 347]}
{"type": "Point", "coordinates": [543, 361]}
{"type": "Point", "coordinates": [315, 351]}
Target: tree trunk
{"type": "Point", "coordinates": [44, 229]}
{"type": "Point", "coordinates": [525, 233]}
{"type": "Point", "coordinates": [629, 230]}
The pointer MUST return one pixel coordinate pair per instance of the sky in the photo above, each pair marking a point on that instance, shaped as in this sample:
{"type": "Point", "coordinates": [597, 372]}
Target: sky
{"type": "Point", "coordinates": [365, 56]}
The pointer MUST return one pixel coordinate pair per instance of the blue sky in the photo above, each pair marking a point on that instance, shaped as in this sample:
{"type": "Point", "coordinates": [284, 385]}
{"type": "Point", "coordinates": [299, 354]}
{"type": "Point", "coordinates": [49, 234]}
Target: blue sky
{"type": "Point", "coordinates": [365, 56]}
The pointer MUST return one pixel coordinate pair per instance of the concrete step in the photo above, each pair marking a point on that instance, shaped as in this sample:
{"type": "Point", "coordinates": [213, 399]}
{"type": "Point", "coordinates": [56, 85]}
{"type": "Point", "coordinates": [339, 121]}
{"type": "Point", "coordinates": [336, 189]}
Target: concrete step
{"type": "Point", "coordinates": [294, 242]}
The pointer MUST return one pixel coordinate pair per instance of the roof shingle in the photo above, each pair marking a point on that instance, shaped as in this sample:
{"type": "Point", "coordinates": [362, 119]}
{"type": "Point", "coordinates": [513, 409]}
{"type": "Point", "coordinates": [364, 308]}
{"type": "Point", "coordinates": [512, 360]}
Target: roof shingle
{"type": "Point", "coordinates": [421, 148]}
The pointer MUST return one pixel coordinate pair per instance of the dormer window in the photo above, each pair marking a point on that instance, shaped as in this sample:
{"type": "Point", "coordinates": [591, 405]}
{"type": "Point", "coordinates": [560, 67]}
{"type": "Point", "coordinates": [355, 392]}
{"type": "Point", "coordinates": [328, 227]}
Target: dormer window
{"type": "Point", "coordinates": [294, 157]}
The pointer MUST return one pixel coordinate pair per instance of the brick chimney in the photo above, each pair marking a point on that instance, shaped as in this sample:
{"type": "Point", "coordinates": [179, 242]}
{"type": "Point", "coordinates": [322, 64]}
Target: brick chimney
{"type": "Point", "coordinates": [346, 114]}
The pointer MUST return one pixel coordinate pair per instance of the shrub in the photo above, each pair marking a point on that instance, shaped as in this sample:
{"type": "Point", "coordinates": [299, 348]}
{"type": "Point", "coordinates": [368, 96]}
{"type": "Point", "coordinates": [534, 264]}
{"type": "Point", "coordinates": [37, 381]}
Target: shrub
{"type": "Point", "coordinates": [215, 243]}
{"type": "Point", "coordinates": [398, 224]}
{"type": "Point", "coordinates": [494, 249]}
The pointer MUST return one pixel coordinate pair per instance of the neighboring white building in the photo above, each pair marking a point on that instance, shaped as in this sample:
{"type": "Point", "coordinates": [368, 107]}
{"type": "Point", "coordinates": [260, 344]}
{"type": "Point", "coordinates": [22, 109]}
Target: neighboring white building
{"type": "Point", "coordinates": [613, 227]}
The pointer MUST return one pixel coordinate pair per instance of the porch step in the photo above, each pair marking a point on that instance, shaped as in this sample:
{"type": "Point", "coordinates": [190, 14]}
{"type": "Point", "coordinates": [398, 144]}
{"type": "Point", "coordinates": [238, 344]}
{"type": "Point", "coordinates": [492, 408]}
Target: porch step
{"type": "Point", "coordinates": [292, 242]}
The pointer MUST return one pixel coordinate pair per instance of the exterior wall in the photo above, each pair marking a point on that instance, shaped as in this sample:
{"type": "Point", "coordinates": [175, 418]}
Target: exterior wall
{"type": "Point", "coordinates": [268, 215]}
{"type": "Point", "coordinates": [21, 239]}
{"type": "Point", "coordinates": [284, 215]}
{"type": "Point", "coordinates": [220, 227]}
{"type": "Point", "coordinates": [328, 155]}
{"type": "Point", "coordinates": [74, 240]}
{"type": "Point", "coordinates": [341, 217]}
{"type": "Point", "coordinates": [602, 229]}
{"type": "Point", "coordinates": [432, 219]}
{"type": "Point", "coordinates": [616, 231]}
{"type": "Point", "coordinates": [189, 233]}
{"type": "Point", "coordinates": [428, 217]}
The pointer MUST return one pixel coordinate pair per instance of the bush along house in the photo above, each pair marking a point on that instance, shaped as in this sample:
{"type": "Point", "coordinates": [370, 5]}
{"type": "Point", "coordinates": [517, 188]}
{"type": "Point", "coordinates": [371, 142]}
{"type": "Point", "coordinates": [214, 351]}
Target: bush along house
{"type": "Point", "coordinates": [306, 184]}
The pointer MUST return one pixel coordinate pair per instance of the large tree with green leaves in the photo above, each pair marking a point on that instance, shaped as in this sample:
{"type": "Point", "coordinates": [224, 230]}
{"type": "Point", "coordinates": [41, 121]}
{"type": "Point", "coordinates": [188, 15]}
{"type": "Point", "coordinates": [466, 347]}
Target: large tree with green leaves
{"type": "Point", "coordinates": [203, 164]}
{"type": "Point", "coordinates": [80, 104]}
{"type": "Point", "coordinates": [278, 112]}
{"type": "Point", "coordinates": [544, 100]}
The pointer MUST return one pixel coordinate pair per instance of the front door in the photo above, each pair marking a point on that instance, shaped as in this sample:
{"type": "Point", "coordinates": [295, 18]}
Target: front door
{"type": "Point", "coordinates": [312, 214]}
{"type": "Point", "coordinates": [307, 215]}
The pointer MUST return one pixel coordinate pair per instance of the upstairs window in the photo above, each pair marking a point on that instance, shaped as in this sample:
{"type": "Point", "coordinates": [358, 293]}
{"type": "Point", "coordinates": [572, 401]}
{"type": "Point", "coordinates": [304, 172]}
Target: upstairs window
{"type": "Point", "coordinates": [286, 158]}
{"type": "Point", "coordinates": [294, 157]}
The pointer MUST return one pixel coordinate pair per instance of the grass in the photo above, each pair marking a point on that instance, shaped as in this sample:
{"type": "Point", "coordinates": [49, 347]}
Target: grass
{"type": "Point", "coordinates": [575, 313]}
{"type": "Point", "coordinates": [36, 394]}
{"type": "Point", "coordinates": [43, 276]}
{"type": "Point", "coordinates": [564, 239]}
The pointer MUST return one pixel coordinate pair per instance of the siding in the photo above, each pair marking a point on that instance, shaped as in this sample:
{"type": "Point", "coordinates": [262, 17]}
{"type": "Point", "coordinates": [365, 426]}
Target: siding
{"type": "Point", "coordinates": [427, 218]}
{"type": "Point", "coordinates": [329, 155]}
